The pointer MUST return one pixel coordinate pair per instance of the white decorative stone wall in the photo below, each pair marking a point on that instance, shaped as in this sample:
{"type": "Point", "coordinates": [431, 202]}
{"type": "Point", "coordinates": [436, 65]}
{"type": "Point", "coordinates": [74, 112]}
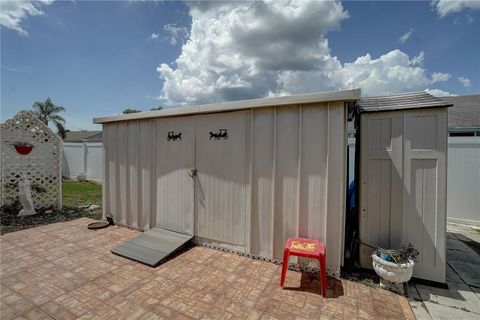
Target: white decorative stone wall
{"type": "Point", "coordinates": [42, 166]}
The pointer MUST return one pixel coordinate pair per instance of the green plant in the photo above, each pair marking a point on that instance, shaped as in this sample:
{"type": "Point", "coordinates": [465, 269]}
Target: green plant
{"type": "Point", "coordinates": [130, 110]}
{"type": "Point", "coordinates": [406, 253]}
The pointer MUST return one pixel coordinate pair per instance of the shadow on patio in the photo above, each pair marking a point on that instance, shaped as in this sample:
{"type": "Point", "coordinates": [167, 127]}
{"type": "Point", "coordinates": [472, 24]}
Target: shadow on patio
{"type": "Point", "coordinates": [461, 298]}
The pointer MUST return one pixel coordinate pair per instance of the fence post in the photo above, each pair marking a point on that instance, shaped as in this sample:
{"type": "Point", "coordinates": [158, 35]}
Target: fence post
{"type": "Point", "coordinates": [85, 159]}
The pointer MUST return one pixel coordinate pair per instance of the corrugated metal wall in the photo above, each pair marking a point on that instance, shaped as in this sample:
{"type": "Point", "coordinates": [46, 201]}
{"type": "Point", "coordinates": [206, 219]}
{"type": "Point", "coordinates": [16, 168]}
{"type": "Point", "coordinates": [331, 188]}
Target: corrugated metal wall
{"type": "Point", "coordinates": [295, 175]}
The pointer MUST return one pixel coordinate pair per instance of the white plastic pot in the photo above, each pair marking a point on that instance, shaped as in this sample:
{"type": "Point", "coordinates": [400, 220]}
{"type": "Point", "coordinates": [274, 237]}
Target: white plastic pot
{"type": "Point", "coordinates": [393, 272]}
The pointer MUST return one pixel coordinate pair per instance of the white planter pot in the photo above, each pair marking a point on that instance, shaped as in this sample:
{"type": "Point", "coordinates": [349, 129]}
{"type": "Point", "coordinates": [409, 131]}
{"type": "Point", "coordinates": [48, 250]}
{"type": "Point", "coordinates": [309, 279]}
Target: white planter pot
{"type": "Point", "coordinates": [396, 273]}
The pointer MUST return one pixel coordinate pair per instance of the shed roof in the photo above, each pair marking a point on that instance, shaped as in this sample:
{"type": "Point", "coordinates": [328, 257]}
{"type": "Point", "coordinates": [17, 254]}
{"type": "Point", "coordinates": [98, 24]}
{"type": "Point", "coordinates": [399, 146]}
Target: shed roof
{"type": "Point", "coordinates": [465, 113]}
{"type": "Point", "coordinates": [411, 100]}
{"type": "Point", "coordinates": [346, 95]}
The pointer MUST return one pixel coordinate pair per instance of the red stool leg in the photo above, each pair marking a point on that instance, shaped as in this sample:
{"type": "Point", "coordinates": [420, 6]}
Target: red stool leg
{"type": "Point", "coordinates": [323, 275]}
{"type": "Point", "coordinates": [286, 253]}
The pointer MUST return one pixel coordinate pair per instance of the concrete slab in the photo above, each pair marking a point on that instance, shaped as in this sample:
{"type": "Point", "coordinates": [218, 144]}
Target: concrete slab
{"type": "Point", "coordinates": [456, 244]}
{"type": "Point", "coordinates": [476, 290]}
{"type": "Point", "coordinates": [420, 311]}
{"type": "Point", "coordinates": [469, 272]}
{"type": "Point", "coordinates": [462, 299]}
{"type": "Point", "coordinates": [466, 256]}
{"type": "Point", "coordinates": [452, 276]}
{"type": "Point", "coordinates": [458, 295]}
{"type": "Point", "coordinates": [438, 311]}
{"type": "Point", "coordinates": [418, 308]}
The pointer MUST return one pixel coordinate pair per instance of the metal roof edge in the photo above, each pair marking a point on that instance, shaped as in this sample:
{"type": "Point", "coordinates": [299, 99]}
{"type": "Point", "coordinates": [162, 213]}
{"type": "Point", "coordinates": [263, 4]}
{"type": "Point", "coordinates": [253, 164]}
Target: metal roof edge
{"type": "Point", "coordinates": [345, 95]}
{"type": "Point", "coordinates": [466, 129]}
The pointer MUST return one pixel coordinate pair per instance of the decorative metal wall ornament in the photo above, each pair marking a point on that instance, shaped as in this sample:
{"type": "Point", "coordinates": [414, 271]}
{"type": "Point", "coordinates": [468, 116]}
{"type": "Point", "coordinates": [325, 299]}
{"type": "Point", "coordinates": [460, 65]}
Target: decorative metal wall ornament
{"type": "Point", "coordinates": [174, 136]}
{"type": "Point", "coordinates": [221, 134]}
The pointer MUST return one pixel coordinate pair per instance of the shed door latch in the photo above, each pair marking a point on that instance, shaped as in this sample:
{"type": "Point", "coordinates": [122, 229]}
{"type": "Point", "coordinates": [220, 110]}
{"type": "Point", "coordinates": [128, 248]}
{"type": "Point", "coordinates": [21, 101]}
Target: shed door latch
{"type": "Point", "coordinates": [192, 173]}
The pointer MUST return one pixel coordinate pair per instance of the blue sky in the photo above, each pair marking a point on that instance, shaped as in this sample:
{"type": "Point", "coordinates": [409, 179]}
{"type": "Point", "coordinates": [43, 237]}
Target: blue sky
{"type": "Point", "coordinates": [96, 58]}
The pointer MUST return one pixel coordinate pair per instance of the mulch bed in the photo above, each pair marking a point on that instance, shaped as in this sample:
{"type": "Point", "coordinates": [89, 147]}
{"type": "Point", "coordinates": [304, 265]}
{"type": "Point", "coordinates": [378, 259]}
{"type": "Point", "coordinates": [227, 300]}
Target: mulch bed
{"type": "Point", "coordinates": [10, 221]}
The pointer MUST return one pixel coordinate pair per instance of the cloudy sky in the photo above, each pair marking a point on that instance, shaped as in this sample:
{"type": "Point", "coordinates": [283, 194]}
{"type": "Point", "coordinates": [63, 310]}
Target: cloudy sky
{"type": "Point", "coordinates": [96, 58]}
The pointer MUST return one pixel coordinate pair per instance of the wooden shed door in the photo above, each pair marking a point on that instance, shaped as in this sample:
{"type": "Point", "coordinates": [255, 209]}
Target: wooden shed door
{"type": "Point", "coordinates": [220, 189]}
{"type": "Point", "coordinates": [175, 146]}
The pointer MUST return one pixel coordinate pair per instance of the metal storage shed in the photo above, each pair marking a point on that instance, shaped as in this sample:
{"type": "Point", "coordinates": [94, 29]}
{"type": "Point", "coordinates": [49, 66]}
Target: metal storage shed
{"type": "Point", "coordinates": [242, 175]}
{"type": "Point", "coordinates": [403, 173]}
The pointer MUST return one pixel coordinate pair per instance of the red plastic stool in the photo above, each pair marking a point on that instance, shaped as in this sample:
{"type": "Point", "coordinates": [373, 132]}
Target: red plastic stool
{"type": "Point", "coordinates": [307, 248]}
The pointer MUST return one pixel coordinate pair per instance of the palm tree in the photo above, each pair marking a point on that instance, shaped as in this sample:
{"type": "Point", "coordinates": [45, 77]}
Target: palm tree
{"type": "Point", "coordinates": [48, 111]}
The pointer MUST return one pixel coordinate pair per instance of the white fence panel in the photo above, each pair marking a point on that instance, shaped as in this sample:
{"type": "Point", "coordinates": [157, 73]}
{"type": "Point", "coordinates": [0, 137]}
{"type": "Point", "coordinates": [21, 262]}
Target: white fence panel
{"type": "Point", "coordinates": [72, 163]}
{"type": "Point", "coordinates": [463, 195]}
{"type": "Point", "coordinates": [82, 158]}
{"type": "Point", "coordinates": [94, 161]}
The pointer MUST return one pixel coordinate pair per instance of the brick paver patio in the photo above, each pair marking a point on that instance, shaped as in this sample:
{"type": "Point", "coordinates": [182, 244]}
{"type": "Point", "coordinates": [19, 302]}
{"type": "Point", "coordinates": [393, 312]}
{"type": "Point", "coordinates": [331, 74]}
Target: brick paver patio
{"type": "Point", "coordinates": [65, 271]}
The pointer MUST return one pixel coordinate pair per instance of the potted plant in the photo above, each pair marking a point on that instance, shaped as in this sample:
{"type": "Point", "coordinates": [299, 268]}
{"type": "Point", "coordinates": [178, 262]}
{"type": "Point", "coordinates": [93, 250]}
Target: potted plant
{"type": "Point", "coordinates": [394, 267]}
{"type": "Point", "coordinates": [23, 147]}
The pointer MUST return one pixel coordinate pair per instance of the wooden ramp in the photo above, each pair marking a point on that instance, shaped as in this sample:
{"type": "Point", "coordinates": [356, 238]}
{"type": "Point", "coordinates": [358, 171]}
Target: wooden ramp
{"type": "Point", "coordinates": [152, 246]}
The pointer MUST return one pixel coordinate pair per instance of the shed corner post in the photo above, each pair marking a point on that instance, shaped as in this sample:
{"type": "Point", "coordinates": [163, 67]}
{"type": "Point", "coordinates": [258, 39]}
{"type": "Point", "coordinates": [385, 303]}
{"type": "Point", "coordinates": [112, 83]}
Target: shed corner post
{"type": "Point", "coordinates": [104, 173]}
{"type": "Point", "coordinates": [60, 176]}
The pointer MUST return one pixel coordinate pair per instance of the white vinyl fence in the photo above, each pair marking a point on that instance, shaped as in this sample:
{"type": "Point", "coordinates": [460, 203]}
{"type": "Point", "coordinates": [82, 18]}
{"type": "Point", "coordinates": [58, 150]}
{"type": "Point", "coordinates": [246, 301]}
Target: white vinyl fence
{"type": "Point", "coordinates": [463, 184]}
{"type": "Point", "coordinates": [463, 180]}
{"type": "Point", "coordinates": [82, 158]}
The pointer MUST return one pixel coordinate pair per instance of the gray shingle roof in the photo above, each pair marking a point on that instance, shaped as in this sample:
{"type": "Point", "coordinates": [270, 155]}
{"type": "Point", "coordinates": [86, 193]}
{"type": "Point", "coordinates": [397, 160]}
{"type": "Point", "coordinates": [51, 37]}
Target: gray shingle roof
{"type": "Point", "coordinates": [76, 136]}
{"type": "Point", "coordinates": [465, 112]}
{"type": "Point", "coordinates": [411, 100]}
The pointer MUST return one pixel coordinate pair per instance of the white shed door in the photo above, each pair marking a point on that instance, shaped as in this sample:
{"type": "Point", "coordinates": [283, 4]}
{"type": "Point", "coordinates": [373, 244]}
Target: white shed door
{"type": "Point", "coordinates": [175, 146]}
{"type": "Point", "coordinates": [424, 194]}
{"type": "Point", "coordinates": [221, 157]}
{"type": "Point", "coordinates": [403, 186]}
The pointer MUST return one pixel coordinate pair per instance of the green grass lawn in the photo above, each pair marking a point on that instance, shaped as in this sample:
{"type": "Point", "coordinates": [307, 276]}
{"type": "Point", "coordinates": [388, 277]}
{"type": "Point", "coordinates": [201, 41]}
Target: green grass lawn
{"type": "Point", "coordinates": [76, 193]}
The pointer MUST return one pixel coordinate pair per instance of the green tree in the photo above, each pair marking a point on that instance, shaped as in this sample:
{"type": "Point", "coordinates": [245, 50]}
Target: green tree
{"type": "Point", "coordinates": [129, 110]}
{"type": "Point", "coordinates": [157, 108]}
{"type": "Point", "coordinates": [47, 111]}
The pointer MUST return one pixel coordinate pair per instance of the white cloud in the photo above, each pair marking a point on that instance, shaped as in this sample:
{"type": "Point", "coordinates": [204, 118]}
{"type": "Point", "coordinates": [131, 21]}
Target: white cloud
{"type": "Point", "coordinates": [418, 60]}
{"type": "Point", "coordinates": [467, 83]}
{"type": "Point", "coordinates": [440, 77]}
{"type": "Point", "coordinates": [255, 49]}
{"type": "Point", "coordinates": [12, 13]}
{"type": "Point", "coordinates": [173, 34]}
{"type": "Point", "coordinates": [176, 34]}
{"type": "Point", "coordinates": [405, 36]}
{"type": "Point", "coordinates": [445, 7]}
{"type": "Point", "coordinates": [439, 93]}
